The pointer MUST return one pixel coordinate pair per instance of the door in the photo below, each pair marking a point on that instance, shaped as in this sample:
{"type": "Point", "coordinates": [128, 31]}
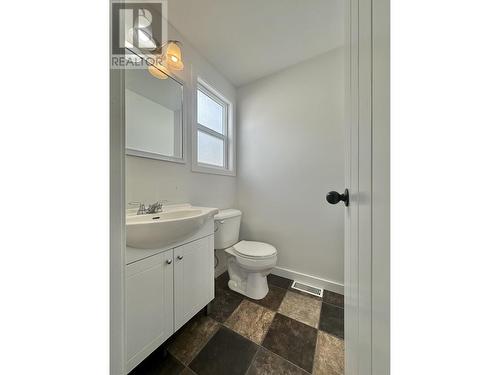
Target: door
{"type": "Point", "coordinates": [367, 246]}
{"type": "Point", "coordinates": [193, 278]}
{"type": "Point", "coordinates": [149, 306]}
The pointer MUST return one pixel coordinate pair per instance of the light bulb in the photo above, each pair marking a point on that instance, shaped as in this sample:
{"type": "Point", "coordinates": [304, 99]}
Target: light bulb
{"type": "Point", "coordinates": [174, 55]}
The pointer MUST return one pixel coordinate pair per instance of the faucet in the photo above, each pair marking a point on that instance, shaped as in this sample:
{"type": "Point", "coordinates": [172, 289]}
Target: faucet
{"type": "Point", "coordinates": [155, 208]}
{"type": "Point", "coordinates": [142, 209]}
{"type": "Point", "coordinates": [151, 209]}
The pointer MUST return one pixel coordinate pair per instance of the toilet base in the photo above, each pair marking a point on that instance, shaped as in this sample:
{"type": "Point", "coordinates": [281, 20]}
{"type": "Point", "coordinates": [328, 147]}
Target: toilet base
{"type": "Point", "coordinates": [255, 288]}
{"type": "Point", "coordinates": [250, 284]}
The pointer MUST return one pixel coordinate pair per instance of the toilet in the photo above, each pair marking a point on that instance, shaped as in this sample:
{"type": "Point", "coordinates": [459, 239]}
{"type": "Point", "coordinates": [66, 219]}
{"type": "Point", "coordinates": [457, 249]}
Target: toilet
{"type": "Point", "coordinates": [248, 262]}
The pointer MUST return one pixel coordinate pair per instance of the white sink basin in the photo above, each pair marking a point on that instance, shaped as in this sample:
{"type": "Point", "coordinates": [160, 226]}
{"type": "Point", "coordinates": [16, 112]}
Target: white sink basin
{"type": "Point", "coordinates": [155, 231]}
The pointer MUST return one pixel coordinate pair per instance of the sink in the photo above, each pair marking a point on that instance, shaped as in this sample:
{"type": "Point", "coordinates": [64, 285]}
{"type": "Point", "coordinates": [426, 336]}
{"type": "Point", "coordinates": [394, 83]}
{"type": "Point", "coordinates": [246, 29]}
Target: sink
{"type": "Point", "coordinates": [156, 231]}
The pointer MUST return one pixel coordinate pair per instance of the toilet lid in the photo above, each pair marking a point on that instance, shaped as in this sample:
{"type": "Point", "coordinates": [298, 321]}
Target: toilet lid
{"type": "Point", "coordinates": [252, 249]}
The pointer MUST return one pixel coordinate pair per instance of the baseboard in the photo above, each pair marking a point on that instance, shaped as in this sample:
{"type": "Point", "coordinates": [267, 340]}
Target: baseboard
{"type": "Point", "coordinates": [308, 279]}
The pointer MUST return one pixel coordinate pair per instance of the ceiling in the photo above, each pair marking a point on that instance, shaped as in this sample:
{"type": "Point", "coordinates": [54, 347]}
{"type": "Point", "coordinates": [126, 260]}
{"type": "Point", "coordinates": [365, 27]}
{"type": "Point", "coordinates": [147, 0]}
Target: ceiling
{"type": "Point", "coordinates": [250, 39]}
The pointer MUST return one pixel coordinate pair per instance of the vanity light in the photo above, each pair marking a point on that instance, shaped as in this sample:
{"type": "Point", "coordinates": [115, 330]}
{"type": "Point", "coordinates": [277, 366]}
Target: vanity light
{"type": "Point", "coordinates": [171, 60]}
{"type": "Point", "coordinates": [174, 56]}
{"type": "Point", "coordinates": [158, 71]}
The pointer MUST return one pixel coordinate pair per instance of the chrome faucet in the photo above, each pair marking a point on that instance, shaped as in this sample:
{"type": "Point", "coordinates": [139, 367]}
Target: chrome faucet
{"type": "Point", "coordinates": [151, 209]}
{"type": "Point", "coordinates": [142, 209]}
{"type": "Point", "coordinates": [155, 208]}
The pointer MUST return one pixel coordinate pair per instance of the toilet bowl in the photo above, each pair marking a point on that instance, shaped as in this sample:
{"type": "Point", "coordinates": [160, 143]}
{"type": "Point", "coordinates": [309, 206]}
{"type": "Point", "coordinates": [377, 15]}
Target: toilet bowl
{"type": "Point", "coordinates": [249, 262]}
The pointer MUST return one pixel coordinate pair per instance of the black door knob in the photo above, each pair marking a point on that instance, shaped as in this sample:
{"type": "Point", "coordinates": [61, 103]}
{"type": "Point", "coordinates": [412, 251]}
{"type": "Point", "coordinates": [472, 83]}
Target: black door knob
{"type": "Point", "coordinates": [333, 197]}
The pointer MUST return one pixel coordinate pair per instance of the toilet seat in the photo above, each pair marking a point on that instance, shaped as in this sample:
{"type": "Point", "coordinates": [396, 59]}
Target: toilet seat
{"type": "Point", "coordinates": [254, 250]}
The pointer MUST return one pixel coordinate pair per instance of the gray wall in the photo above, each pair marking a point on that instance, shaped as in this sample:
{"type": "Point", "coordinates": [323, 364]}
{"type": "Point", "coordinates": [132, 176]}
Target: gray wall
{"type": "Point", "coordinates": [290, 154]}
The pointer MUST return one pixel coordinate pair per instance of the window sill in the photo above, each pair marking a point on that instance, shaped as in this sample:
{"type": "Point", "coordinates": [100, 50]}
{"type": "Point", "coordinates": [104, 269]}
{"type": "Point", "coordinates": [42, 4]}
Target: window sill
{"type": "Point", "coordinates": [150, 155]}
{"type": "Point", "coordinates": [209, 170]}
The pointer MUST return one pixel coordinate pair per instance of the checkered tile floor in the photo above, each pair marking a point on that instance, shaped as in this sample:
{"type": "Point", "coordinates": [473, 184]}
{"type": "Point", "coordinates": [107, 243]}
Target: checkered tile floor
{"type": "Point", "coordinates": [287, 332]}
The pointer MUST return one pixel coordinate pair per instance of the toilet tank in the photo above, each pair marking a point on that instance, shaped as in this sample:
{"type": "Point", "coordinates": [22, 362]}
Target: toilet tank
{"type": "Point", "coordinates": [227, 228]}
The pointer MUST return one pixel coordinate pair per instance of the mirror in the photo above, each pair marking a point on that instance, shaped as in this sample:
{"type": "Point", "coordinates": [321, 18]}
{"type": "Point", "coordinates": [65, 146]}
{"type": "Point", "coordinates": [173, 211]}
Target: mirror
{"type": "Point", "coordinates": [153, 116]}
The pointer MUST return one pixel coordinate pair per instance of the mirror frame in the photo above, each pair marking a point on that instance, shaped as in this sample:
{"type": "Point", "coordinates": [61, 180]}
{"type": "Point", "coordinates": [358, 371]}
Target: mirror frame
{"type": "Point", "coordinates": [154, 156]}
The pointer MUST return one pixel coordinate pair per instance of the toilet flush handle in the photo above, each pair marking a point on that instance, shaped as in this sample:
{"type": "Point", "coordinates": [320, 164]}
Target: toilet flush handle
{"type": "Point", "coordinates": [217, 225]}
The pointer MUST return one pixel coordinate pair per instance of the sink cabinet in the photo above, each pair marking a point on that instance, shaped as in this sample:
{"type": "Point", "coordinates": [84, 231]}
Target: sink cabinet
{"type": "Point", "coordinates": [193, 285]}
{"type": "Point", "coordinates": [149, 305]}
{"type": "Point", "coordinates": [164, 291]}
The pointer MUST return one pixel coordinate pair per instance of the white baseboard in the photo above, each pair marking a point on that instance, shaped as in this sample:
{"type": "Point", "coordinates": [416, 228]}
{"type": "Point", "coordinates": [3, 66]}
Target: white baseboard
{"type": "Point", "coordinates": [308, 279]}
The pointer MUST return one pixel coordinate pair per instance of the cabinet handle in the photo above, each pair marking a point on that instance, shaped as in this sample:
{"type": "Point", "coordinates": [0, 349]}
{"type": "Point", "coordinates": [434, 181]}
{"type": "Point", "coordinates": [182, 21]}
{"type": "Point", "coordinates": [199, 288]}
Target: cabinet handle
{"type": "Point", "coordinates": [169, 261]}
{"type": "Point", "coordinates": [180, 257]}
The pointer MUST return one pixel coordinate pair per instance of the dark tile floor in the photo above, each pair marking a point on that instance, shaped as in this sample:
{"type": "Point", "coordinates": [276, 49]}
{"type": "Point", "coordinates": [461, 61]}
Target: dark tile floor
{"type": "Point", "coordinates": [287, 332]}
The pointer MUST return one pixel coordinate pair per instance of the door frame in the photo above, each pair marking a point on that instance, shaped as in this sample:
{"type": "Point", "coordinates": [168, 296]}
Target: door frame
{"type": "Point", "coordinates": [117, 223]}
{"type": "Point", "coordinates": [367, 230]}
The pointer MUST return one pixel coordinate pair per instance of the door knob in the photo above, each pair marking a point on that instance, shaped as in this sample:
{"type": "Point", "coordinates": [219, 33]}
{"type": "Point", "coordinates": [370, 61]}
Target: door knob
{"type": "Point", "coordinates": [333, 197]}
{"type": "Point", "coordinates": [180, 257]}
{"type": "Point", "coordinates": [169, 261]}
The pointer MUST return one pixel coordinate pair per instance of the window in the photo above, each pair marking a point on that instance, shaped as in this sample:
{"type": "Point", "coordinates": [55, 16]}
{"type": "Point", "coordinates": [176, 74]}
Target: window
{"type": "Point", "coordinates": [212, 146]}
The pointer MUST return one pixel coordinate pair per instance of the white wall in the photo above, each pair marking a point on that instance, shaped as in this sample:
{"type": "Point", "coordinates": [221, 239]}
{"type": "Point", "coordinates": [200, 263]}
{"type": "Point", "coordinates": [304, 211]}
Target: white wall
{"type": "Point", "coordinates": [290, 154]}
{"type": "Point", "coordinates": [150, 180]}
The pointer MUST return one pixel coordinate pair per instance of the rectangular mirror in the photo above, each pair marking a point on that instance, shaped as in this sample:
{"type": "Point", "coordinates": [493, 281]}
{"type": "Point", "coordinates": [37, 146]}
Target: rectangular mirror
{"type": "Point", "coordinates": [153, 116]}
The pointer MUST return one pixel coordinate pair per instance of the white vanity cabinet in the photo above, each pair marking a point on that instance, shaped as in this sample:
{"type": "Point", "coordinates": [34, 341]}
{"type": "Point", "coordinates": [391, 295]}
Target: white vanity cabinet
{"type": "Point", "coordinates": [149, 305]}
{"type": "Point", "coordinates": [164, 290]}
{"type": "Point", "coordinates": [193, 283]}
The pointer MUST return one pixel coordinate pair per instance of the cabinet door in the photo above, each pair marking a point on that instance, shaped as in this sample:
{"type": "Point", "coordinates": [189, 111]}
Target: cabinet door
{"type": "Point", "coordinates": [149, 306]}
{"type": "Point", "coordinates": [194, 278]}
{"type": "Point", "coordinates": [169, 293]}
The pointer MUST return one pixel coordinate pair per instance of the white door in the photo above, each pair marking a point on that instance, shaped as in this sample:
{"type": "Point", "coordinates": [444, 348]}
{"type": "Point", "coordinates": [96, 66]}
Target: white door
{"type": "Point", "coordinates": [367, 248]}
{"type": "Point", "coordinates": [193, 278]}
{"type": "Point", "coordinates": [149, 306]}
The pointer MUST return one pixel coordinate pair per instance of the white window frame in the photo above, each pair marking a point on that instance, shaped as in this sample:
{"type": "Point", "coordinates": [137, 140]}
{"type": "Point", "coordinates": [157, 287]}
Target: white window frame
{"type": "Point", "coordinates": [228, 138]}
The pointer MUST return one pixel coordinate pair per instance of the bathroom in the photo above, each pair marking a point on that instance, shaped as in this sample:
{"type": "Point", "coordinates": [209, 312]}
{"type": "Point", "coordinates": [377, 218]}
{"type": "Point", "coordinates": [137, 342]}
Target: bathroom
{"type": "Point", "coordinates": [249, 187]}
{"type": "Point", "coordinates": [230, 152]}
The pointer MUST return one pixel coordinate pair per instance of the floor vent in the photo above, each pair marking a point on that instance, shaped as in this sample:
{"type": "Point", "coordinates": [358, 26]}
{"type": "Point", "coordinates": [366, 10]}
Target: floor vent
{"type": "Point", "coordinates": [318, 292]}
